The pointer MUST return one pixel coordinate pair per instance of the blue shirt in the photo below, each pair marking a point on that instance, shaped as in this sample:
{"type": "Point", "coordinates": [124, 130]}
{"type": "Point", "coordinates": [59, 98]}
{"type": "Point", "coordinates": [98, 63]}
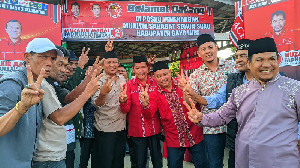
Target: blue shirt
{"type": "Point", "coordinates": [217, 99]}
{"type": "Point", "coordinates": [18, 145]}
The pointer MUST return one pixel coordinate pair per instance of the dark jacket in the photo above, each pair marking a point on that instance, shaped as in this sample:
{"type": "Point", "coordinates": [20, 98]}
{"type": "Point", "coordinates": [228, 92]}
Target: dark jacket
{"type": "Point", "coordinates": [234, 80]}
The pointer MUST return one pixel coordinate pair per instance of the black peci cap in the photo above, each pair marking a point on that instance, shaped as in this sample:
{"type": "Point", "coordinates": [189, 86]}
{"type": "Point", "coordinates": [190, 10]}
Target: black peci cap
{"type": "Point", "coordinates": [110, 54]}
{"type": "Point", "coordinates": [160, 65]}
{"type": "Point", "coordinates": [243, 44]}
{"type": "Point", "coordinates": [138, 59]}
{"type": "Point", "coordinates": [262, 45]}
{"type": "Point", "coordinates": [203, 38]}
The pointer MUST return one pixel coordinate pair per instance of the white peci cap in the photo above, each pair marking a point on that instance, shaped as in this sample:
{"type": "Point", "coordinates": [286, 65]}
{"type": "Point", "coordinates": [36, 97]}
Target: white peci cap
{"type": "Point", "coordinates": [41, 45]}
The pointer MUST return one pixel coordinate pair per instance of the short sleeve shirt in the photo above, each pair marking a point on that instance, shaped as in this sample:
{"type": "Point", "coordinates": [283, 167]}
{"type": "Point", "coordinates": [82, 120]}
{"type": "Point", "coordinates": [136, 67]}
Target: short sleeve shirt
{"type": "Point", "coordinates": [206, 82]}
{"type": "Point", "coordinates": [109, 117]}
{"type": "Point", "coordinates": [52, 138]}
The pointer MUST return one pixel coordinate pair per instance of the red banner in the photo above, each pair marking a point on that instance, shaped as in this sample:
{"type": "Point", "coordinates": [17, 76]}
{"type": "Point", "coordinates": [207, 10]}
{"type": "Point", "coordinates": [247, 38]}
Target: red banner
{"type": "Point", "coordinates": [278, 19]}
{"type": "Point", "coordinates": [20, 22]}
{"type": "Point", "coordinates": [237, 31]}
{"type": "Point", "coordinates": [189, 60]}
{"type": "Point", "coordinates": [135, 21]}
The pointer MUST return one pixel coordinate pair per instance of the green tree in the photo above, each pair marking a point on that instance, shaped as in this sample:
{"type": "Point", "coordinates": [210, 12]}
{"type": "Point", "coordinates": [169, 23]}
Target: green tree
{"type": "Point", "coordinates": [175, 67]}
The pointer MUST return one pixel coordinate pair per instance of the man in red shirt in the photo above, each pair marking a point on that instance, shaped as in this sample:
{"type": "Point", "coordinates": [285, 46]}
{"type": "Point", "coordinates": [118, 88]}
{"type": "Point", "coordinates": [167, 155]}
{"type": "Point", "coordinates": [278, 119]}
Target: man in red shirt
{"type": "Point", "coordinates": [75, 20]}
{"type": "Point", "coordinates": [284, 38]}
{"type": "Point", "coordinates": [180, 132]}
{"type": "Point", "coordinates": [143, 131]}
{"type": "Point", "coordinates": [13, 48]}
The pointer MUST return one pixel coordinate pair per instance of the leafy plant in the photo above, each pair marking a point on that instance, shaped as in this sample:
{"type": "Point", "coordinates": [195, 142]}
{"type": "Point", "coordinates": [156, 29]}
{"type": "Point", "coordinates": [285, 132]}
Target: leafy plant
{"type": "Point", "coordinates": [175, 67]}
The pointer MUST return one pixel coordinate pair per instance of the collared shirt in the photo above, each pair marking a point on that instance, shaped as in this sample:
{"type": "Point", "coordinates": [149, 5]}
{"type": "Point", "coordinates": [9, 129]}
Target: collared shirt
{"type": "Point", "coordinates": [206, 82]}
{"type": "Point", "coordinates": [139, 125]}
{"type": "Point", "coordinates": [179, 130]}
{"type": "Point", "coordinates": [75, 22]}
{"type": "Point", "coordinates": [267, 117]}
{"type": "Point", "coordinates": [97, 22]}
{"type": "Point", "coordinates": [52, 138]}
{"type": "Point", "coordinates": [217, 99]}
{"type": "Point", "coordinates": [285, 41]}
{"type": "Point", "coordinates": [12, 51]}
{"type": "Point", "coordinates": [109, 117]}
{"type": "Point", "coordinates": [18, 145]}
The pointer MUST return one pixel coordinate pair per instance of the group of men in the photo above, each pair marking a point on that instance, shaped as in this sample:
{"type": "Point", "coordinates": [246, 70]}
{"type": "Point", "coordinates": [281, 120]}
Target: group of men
{"type": "Point", "coordinates": [75, 20]}
{"type": "Point", "coordinates": [38, 102]}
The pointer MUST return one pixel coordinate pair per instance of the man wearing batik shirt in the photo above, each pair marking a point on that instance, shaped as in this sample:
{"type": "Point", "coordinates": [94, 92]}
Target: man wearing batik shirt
{"type": "Point", "coordinates": [220, 97]}
{"type": "Point", "coordinates": [13, 48]}
{"type": "Point", "coordinates": [284, 38]}
{"type": "Point", "coordinates": [144, 132]}
{"type": "Point", "coordinates": [180, 132]}
{"type": "Point", "coordinates": [267, 111]}
{"type": "Point", "coordinates": [207, 80]}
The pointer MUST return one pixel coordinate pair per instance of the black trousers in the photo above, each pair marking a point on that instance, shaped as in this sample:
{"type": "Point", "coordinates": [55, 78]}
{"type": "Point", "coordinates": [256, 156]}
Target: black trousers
{"type": "Point", "coordinates": [70, 159]}
{"type": "Point", "coordinates": [140, 146]}
{"type": "Point", "coordinates": [86, 145]}
{"type": "Point", "coordinates": [109, 149]}
{"type": "Point", "coordinates": [231, 159]}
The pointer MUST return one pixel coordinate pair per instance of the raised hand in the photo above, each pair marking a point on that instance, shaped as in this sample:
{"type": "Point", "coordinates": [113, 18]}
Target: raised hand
{"type": "Point", "coordinates": [97, 66]}
{"type": "Point", "coordinates": [144, 96]}
{"type": "Point", "coordinates": [31, 94]}
{"type": "Point", "coordinates": [123, 94]}
{"type": "Point", "coordinates": [151, 59]}
{"type": "Point", "coordinates": [106, 87]}
{"type": "Point", "coordinates": [83, 59]}
{"type": "Point", "coordinates": [194, 115]}
{"type": "Point", "coordinates": [184, 84]}
{"type": "Point", "coordinates": [109, 45]}
{"type": "Point", "coordinates": [93, 85]}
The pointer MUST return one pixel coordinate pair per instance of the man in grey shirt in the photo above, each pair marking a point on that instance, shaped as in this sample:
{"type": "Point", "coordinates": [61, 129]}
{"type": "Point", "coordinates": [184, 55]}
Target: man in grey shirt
{"type": "Point", "coordinates": [52, 147]}
{"type": "Point", "coordinates": [20, 107]}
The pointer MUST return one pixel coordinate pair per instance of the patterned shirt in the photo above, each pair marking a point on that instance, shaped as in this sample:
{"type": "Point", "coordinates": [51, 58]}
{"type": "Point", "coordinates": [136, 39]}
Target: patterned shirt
{"type": "Point", "coordinates": [206, 82]}
{"type": "Point", "coordinates": [179, 130]}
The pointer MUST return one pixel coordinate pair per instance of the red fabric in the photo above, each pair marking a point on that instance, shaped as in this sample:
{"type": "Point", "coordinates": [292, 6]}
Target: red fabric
{"type": "Point", "coordinates": [187, 156]}
{"type": "Point", "coordinates": [285, 41]}
{"type": "Point", "coordinates": [139, 126]}
{"type": "Point", "coordinates": [75, 22]}
{"type": "Point", "coordinates": [159, 101]}
{"type": "Point", "coordinates": [237, 31]}
{"type": "Point", "coordinates": [165, 150]}
{"type": "Point", "coordinates": [97, 22]}
{"type": "Point", "coordinates": [12, 51]}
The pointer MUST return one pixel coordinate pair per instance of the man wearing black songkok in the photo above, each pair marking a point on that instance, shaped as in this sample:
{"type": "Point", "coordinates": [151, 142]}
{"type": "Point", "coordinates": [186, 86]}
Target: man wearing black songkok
{"type": "Point", "coordinates": [267, 112]}
{"type": "Point", "coordinates": [205, 81]}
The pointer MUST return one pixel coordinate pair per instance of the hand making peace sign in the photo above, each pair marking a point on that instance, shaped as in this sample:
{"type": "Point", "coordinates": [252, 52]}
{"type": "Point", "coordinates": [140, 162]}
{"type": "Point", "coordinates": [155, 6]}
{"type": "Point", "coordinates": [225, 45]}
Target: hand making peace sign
{"type": "Point", "coordinates": [144, 96]}
{"type": "Point", "coordinates": [123, 94]}
{"type": "Point", "coordinates": [83, 59]}
{"type": "Point", "coordinates": [106, 87]}
{"type": "Point", "coordinates": [194, 115]}
{"type": "Point", "coordinates": [184, 84]}
{"type": "Point", "coordinates": [109, 45]}
{"type": "Point", "coordinates": [31, 94]}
